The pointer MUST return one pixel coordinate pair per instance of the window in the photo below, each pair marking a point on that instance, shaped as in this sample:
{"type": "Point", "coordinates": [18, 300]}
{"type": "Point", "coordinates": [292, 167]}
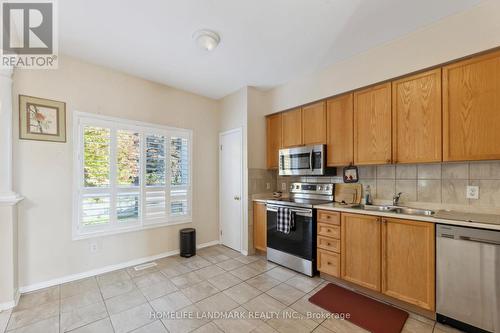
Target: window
{"type": "Point", "coordinates": [129, 175]}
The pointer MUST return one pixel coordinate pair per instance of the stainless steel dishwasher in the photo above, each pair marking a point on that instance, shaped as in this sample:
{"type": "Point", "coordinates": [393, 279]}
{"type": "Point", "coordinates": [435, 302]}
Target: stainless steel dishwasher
{"type": "Point", "coordinates": [468, 278]}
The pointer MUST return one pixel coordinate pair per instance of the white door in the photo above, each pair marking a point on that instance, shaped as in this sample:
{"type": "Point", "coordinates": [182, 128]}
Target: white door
{"type": "Point", "coordinates": [230, 177]}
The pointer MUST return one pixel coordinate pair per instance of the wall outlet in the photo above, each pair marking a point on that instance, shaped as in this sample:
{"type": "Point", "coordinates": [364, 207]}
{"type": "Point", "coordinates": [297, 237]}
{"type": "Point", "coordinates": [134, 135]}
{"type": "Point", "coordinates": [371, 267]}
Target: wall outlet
{"type": "Point", "coordinates": [472, 192]}
{"type": "Point", "coordinates": [268, 186]}
{"type": "Point", "coordinates": [93, 247]}
{"type": "Point", "coordinates": [283, 187]}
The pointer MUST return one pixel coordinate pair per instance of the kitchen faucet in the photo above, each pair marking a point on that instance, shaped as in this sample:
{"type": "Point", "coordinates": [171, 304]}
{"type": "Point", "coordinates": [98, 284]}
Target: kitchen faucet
{"type": "Point", "coordinates": [395, 199]}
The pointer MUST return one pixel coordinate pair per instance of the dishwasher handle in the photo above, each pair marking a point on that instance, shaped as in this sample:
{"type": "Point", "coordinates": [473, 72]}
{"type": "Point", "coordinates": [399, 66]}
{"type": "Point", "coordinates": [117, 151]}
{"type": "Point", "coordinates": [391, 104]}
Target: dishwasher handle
{"type": "Point", "coordinates": [479, 240]}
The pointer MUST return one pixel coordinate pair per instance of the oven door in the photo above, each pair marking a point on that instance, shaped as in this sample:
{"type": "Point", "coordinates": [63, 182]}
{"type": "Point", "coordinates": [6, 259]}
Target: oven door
{"type": "Point", "coordinates": [300, 241]}
{"type": "Point", "coordinates": [309, 160]}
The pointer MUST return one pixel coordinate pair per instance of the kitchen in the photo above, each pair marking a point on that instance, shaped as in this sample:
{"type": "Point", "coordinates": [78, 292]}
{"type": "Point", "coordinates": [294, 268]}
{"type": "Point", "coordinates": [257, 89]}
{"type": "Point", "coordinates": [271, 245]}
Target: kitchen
{"type": "Point", "coordinates": [432, 249]}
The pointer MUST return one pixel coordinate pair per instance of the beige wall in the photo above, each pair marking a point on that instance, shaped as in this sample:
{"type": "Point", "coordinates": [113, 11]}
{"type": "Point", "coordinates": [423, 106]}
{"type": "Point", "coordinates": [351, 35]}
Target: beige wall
{"type": "Point", "coordinates": [453, 37]}
{"type": "Point", "coordinates": [43, 171]}
{"type": "Point", "coordinates": [258, 107]}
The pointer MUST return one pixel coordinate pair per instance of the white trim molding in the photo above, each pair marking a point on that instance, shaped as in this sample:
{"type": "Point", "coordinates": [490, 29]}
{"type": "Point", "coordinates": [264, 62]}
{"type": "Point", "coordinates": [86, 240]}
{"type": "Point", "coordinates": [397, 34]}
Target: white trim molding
{"type": "Point", "coordinates": [106, 269]}
{"type": "Point", "coordinates": [11, 200]}
{"type": "Point", "coordinates": [11, 304]}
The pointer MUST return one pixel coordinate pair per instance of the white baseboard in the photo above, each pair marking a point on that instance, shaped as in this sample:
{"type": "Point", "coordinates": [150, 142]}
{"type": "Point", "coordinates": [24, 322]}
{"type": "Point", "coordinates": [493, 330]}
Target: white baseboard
{"type": "Point", "coordinates": [106, 269]}
{"type": "Point", "coordinates": [11, 304]}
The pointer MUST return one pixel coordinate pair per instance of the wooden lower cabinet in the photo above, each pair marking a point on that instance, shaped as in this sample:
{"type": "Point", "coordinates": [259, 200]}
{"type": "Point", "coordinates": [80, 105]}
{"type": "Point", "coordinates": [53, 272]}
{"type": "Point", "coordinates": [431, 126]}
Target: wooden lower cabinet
{"type": "Point", "coordinates": [328, 242]}
{"type": "Point", "coordinates": [394, 257]}
{"type": "Point", "coordinates": [360, 254]}
{"type": "Point", "coordinates": [260, 226]}
{"type": "Point", "coordinates": [329, 262]}
{"type": "Point", "coordinates": [408, 264]}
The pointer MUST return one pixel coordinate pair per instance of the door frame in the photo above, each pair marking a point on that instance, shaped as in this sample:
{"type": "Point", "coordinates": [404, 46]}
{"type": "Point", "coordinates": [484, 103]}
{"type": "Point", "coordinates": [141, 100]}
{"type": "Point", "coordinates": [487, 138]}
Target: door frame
{"type": "Point", "coordinates": [242, 216]}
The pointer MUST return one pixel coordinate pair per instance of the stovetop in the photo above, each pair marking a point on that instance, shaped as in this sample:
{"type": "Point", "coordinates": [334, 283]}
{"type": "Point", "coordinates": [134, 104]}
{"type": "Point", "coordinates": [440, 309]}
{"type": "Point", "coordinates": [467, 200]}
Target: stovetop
{"type": "Point", "coordinates": [306, 195]}
{"type": "Point", "coordinates": [297, 202]}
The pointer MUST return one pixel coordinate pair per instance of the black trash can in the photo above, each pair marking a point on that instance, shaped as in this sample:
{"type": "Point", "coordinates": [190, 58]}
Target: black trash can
{"type": "Point", "coordinates": [188, 242]}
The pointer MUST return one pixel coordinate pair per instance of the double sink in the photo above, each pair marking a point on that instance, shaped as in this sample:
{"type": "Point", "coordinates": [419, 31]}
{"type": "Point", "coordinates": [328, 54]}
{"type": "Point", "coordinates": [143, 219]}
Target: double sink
{"type": "Point", "coordinates": [396, 210]}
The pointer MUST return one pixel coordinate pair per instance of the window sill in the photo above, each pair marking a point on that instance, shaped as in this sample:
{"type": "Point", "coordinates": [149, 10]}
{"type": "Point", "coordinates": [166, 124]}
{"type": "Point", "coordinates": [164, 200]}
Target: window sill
{"type": "Point", "coordinates": [134, 228]}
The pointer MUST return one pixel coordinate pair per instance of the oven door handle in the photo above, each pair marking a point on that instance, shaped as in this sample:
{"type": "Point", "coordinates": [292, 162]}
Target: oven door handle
{"type": "Point", "coordinates": [300, 212]}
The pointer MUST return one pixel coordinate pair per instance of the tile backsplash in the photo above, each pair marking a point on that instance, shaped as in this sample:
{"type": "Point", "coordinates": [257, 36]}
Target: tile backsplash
{"type": "Point", "coordinates": [439, 183]}
{"type": "Point", "coordinates": [444, 183]}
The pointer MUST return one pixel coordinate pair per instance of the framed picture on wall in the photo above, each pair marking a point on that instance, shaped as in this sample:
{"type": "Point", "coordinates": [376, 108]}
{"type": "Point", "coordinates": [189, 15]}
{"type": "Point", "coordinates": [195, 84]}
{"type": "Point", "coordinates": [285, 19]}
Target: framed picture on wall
{"type": "Point", "coordinates": [42, 119]}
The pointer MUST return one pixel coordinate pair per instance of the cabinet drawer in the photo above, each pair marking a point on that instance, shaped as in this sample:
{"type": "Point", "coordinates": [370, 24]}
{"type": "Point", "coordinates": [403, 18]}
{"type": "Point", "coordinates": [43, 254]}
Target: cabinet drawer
{"type": "Point", "coordinates": [329, 217]}
{"type": "Point", "coordinates": [329, 244]}
{"type": "Point", "coordinates": [328, 230]}
{"type": "Point", "coordinates": [329, 263]}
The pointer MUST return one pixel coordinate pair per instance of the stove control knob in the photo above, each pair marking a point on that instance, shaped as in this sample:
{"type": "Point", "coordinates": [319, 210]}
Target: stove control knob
{"type": "Point", "coordinates": [297, 187]}
{"type": "Point", "coordinates": [320, 187]}
{"type": "Point", "coordinates": [291, 187]}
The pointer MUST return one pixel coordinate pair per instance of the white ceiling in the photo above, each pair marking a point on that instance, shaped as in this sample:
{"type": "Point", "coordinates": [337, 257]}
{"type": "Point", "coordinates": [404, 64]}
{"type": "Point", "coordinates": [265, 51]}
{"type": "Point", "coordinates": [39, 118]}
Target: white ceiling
{"type": "Point", "coordinates": [264, 42]}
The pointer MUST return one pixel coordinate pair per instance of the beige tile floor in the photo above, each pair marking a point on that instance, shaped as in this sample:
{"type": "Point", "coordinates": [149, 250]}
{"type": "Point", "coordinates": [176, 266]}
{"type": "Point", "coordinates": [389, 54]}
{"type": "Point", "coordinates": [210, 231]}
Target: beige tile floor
{"type": "Point", "coordinates": [217, 279]}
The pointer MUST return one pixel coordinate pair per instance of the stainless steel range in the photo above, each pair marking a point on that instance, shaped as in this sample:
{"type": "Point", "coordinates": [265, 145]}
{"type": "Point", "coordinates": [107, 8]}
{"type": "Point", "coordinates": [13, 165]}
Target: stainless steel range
{"type": "Point", "coordinates": [296, 250]}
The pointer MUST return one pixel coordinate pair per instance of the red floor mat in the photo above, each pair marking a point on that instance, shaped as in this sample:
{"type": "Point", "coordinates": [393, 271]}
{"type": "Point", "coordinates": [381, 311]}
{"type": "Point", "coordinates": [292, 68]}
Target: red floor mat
{"type": "Point", "coordinates": [364, 312]}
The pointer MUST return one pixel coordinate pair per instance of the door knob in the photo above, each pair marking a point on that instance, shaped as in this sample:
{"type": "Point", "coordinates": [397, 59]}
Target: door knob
{"type": "Point", "coordinates": [236, 197]}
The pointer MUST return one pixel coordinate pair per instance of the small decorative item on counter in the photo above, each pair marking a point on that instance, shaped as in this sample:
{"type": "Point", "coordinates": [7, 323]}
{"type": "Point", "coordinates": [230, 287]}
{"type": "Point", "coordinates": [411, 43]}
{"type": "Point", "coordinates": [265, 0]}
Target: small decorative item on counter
{"type": "Point", "coordinates": [351, 174]}
{"type": "Point", "coordinates": [368, 195]}
{"type": "Point", "coordinates": [277, 194]}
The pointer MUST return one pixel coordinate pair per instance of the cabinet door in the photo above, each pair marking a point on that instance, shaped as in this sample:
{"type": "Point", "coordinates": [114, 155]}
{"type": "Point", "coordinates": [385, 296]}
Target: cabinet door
{"type": "Point", "coordinates": [360, 254]}
{"type": "Point", "coordinates": [314, 123]}
{"type": "Point", "coordinates": [259, 226]}
{"type": "Point", "coordinates": [273, 139]}
{"type": "Point", "coordinates": [372, 125]}
{"type": "Point", "coordinates": [416, 118]}
{"type": "Point", "coordinates": [339, 119]}
{"type": "Point", "coordinates": [408, 256]}
{"type": "Point", "coordinates": [471, 104]}
{"type": "Point", "coordinates": [292, 128]}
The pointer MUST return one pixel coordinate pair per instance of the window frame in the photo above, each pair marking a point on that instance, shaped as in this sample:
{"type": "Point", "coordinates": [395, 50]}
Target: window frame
{"type": "Point", "coordinates": [82, 119]}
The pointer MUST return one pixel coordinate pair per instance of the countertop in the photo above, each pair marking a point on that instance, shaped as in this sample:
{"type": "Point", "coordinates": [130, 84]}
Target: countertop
{"type": "Point", "coordinates": [473, 220]}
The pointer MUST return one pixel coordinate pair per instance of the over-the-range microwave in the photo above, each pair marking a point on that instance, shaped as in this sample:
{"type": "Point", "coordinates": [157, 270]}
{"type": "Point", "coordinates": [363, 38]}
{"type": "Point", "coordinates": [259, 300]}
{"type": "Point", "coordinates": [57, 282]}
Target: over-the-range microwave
{"type": "Point", "coordinates": [304, 161]}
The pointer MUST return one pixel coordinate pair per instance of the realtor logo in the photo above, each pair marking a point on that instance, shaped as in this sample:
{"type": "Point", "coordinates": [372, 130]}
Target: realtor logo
{"type": "Point", "coordinates": [28, 34]}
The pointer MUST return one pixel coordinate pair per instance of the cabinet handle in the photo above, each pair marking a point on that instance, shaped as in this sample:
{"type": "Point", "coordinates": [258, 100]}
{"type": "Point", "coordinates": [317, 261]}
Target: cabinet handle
{"type": "Point", "coordinates": [328, 263]}
{"type": "Point", "coordinates": [388, 160]}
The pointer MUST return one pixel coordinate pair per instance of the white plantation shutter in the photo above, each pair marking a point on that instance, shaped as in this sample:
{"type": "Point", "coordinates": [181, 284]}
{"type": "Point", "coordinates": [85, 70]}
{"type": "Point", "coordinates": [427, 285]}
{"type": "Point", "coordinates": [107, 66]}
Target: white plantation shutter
{"type": "Point", "coordinates": [179, 178]}
{"type": "Point", "coordinates": [95, 199]}
{"type": "Point", "coordinates": [156, 175]}
{"type": "Point", "coordinates": [130, 175]}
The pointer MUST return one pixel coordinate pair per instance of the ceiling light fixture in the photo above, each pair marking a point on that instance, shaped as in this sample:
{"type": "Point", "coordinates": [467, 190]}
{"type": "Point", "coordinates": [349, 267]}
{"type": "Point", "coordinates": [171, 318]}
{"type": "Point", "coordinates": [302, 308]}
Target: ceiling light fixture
{"type": "Point", "coordinates": [206, 39]}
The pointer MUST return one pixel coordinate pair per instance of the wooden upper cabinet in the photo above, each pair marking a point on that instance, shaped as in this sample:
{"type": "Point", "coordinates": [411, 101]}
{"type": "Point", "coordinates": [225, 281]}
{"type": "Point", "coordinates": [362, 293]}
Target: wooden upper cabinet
{"type": "Point", "coordinates": [372, 125]}
{"type": "Point", "coordinates": [416, 118]}
{"type": "Point", "coordinates": [361, 246]}
{"type": "Point", "coordinates": [339, 140]}
{"type": "Point", "coordinates": [314, 123]}
{"type": "Point", "coordinates": [260, 226]}
{"type": "Point", "coordinates": [408, 265]}
{"type": "Point", "coordinates": [273, 139]}
{"type": "Point", "coordinates": [292, 128]}
{"type": "Point", "coordinates": [471, 104]}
